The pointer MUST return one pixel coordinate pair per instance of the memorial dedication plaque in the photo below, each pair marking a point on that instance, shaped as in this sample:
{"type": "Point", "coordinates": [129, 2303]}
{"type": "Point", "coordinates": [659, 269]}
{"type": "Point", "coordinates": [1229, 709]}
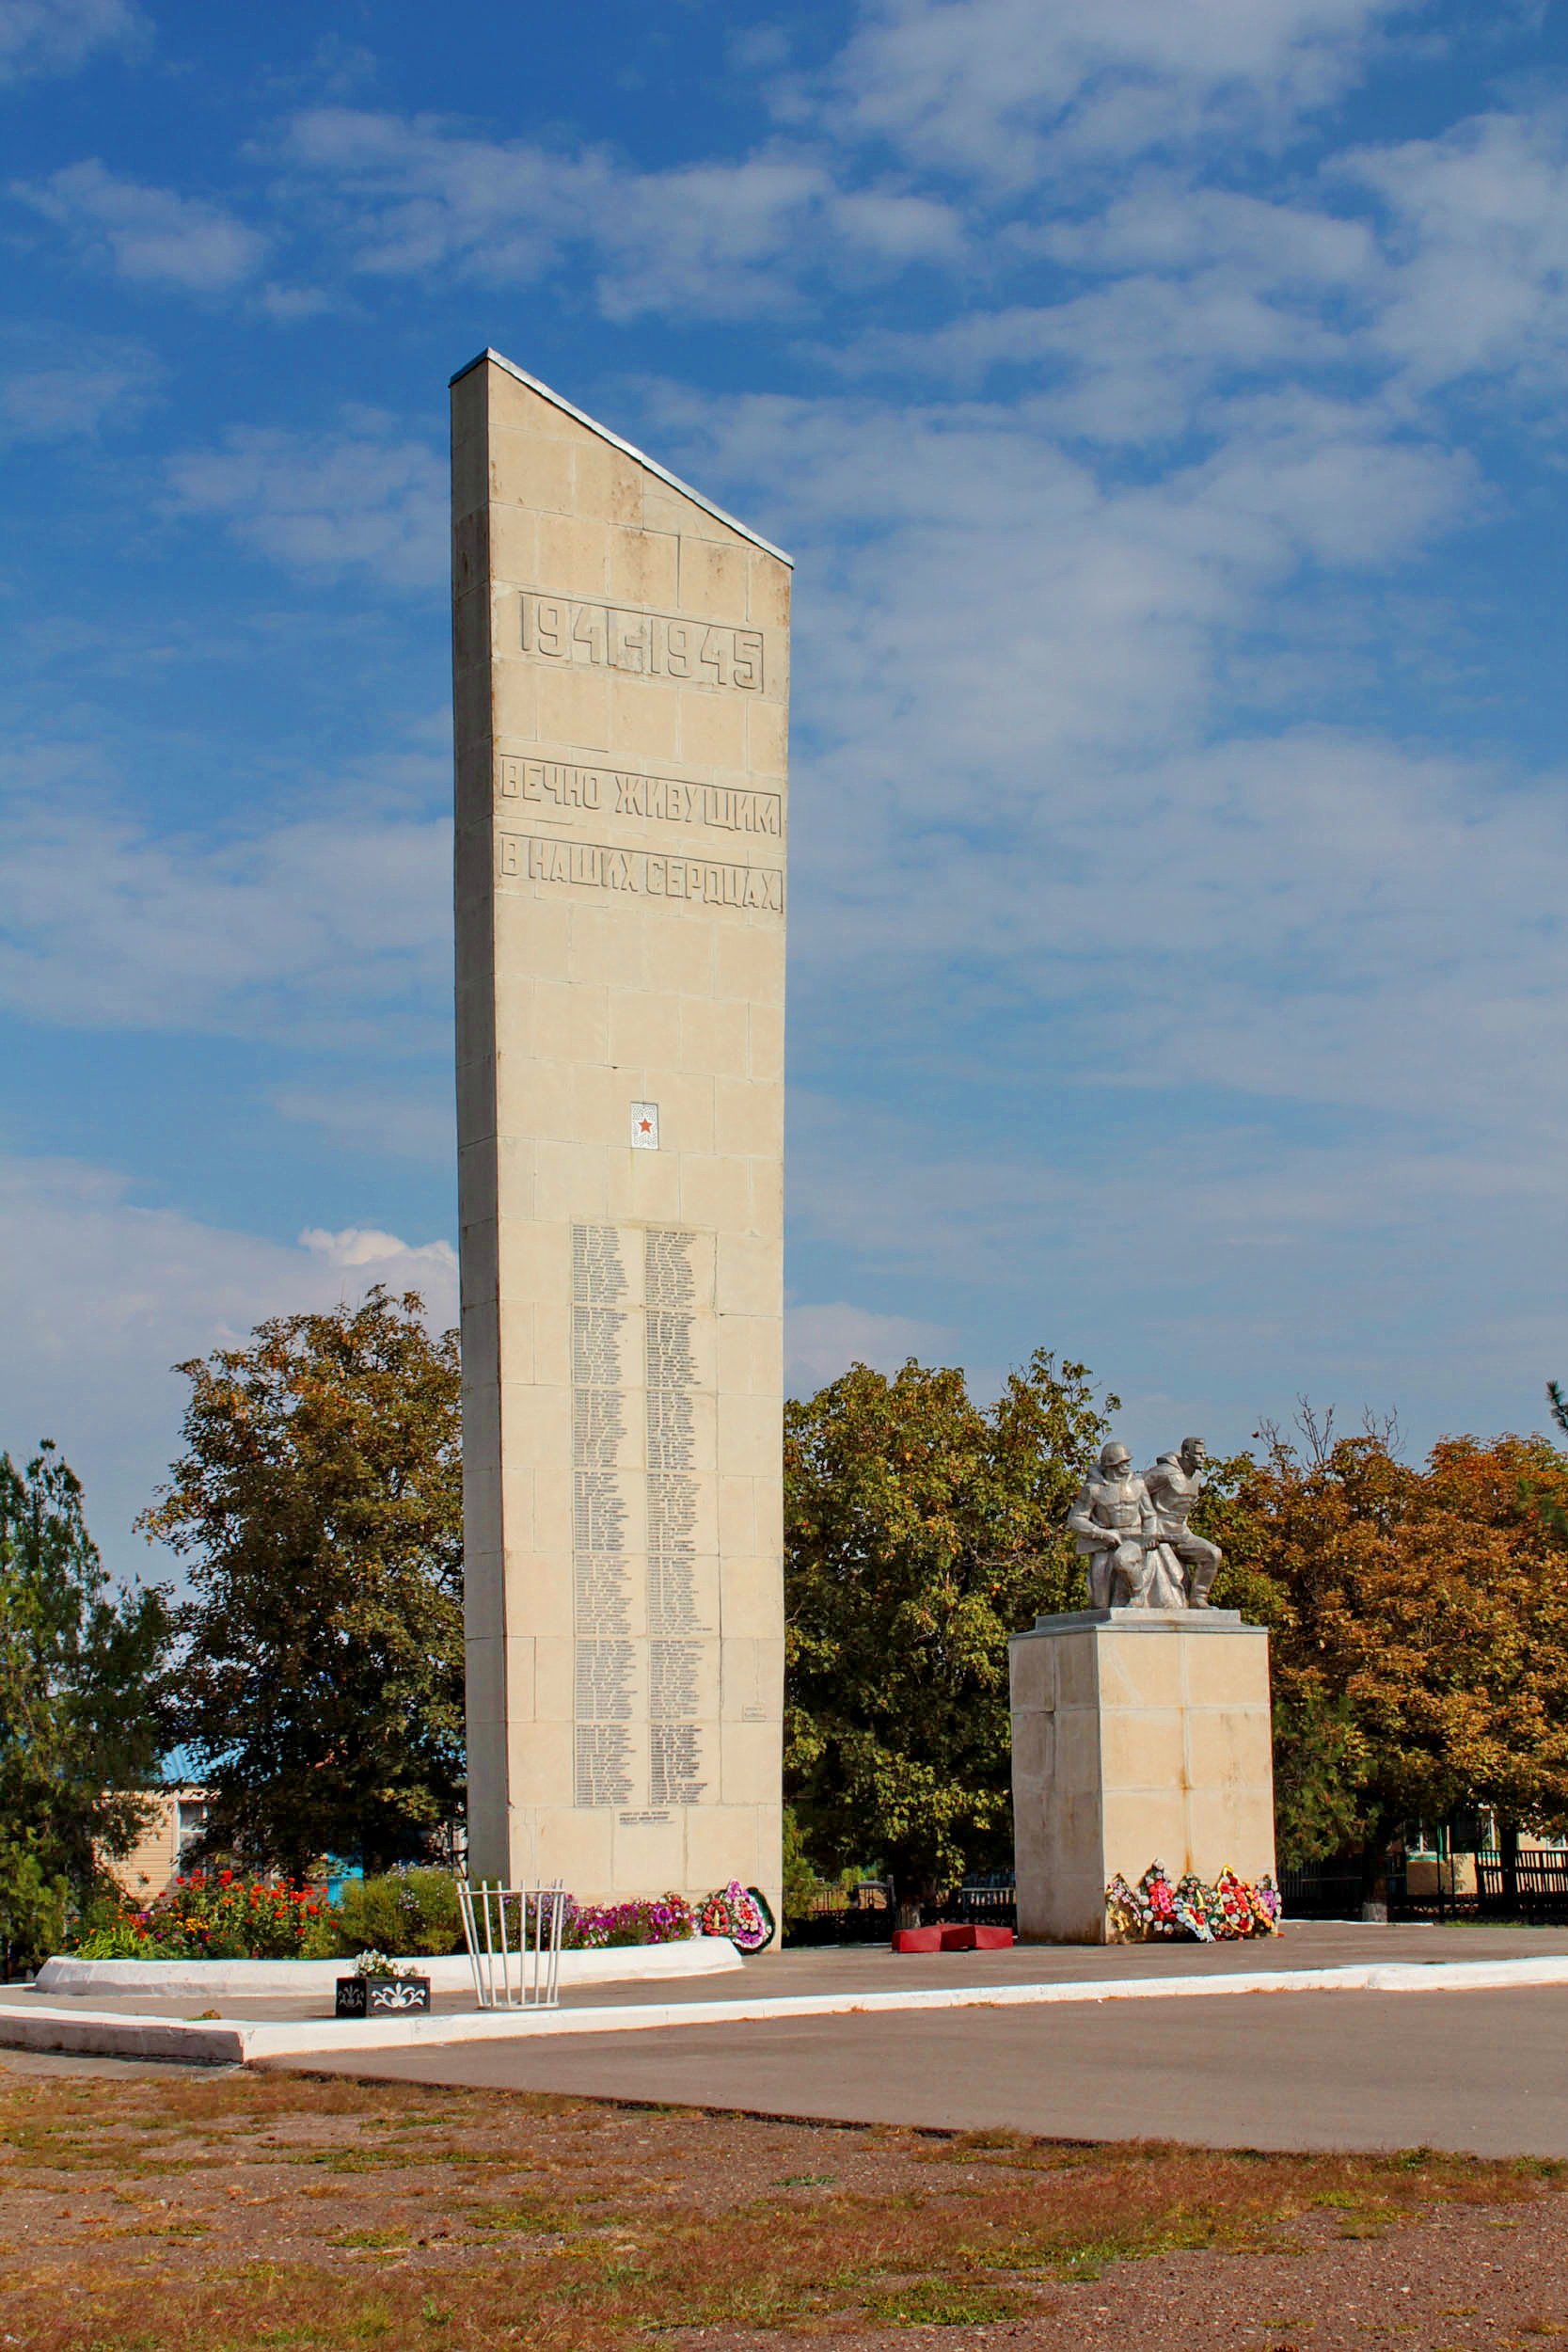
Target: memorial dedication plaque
{"type": "Point", "coordinates": [621, 657]}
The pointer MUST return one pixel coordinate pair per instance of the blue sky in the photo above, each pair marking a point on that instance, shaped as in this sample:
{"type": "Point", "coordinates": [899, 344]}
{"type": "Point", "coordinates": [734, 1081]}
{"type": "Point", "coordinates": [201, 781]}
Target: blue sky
{"type": "Point", "coordinates": [1163, 406]}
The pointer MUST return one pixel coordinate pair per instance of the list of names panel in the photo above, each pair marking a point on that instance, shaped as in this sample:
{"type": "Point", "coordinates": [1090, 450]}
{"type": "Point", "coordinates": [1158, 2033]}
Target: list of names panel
{"type": "Point", "coordinates": [645, 1566]}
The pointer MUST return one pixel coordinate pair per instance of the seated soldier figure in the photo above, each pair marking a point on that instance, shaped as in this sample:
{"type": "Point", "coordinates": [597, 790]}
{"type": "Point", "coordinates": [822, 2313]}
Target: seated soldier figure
{"type": "Point", "coordinates": [1116, 1527]}
{"type": "Point", "coordinates": [1174, 1483]}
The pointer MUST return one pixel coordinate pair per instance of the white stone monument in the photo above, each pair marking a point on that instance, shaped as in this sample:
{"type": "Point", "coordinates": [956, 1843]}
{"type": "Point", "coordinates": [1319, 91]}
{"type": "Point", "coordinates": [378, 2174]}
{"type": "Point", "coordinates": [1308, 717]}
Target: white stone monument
{"type": "Point", "coordinates": [1141, 1726]}
{"type": "Point", "coordinates": [621, 665]}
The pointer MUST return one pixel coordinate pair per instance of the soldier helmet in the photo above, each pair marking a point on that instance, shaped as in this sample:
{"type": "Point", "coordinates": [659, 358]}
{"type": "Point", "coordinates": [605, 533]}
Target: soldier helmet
{"type": "Point", "coordinates": [1114, 1455]}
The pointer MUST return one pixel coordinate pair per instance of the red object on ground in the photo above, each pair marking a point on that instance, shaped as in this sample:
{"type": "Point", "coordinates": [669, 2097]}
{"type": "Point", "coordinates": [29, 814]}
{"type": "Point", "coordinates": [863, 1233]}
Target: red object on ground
{"type": "Point", "coordinates": [976, 1939]}
{"type": "Point", "coordinates": [952, 1939]}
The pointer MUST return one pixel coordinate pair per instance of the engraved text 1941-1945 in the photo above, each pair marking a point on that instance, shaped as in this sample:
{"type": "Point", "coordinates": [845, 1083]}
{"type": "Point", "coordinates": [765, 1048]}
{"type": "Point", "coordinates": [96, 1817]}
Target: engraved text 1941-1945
{"type": "Point", "coordinates": [653, 645]}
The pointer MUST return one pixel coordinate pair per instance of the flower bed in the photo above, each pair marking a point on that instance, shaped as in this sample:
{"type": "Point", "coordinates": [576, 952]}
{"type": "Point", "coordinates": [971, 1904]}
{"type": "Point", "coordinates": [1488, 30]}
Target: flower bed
{"type": "Point", "coordinates": [224, 1915]}
{"type": "Point", "coordinates": [217, 1915]}
{"type": "Point", "coordinates": [1230, 1911]}
{"type": "Point", "coordinates": [592, 1927]}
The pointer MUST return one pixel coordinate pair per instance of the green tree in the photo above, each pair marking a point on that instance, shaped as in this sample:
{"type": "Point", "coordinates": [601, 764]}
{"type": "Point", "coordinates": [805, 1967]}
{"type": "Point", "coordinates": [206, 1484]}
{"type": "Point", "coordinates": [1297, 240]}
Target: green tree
{"type": "Point", "coordinates": [319, 1503]}
{"type": "Point", "coordinates": [82, 1692]}
{"type": "Point", "coordinates": [1419, 1633]}
{"type": "Point", "coordinates": [921, 1531]}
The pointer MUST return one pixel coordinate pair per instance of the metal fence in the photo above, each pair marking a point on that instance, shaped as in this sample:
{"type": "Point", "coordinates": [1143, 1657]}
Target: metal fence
{"type": "Point", "coordinates": [866, 1911]}
{"type": "Point", "coordinates": [1531, 1888]}
{"type": "Point", "coordinates": [862, 1913]}
{"type": "Point", "coordinates": [1331, 1891]}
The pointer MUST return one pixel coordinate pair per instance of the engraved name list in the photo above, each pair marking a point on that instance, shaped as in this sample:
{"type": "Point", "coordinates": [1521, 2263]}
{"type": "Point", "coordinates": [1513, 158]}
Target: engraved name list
{"type": "Point", "coordinates": [644, 1519]}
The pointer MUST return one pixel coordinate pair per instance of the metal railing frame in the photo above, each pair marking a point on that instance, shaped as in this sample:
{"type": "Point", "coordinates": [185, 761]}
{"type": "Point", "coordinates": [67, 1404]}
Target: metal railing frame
{"type": "Point", "coordinates": [521, 1970]}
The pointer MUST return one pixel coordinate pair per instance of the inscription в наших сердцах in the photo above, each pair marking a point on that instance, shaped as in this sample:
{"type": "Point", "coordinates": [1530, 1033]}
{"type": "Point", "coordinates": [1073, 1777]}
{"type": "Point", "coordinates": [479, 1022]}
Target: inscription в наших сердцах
{"type": "Point", "coordinates": [650, 645]}
{"type": "Point", "coordinates": [595, 866]}
{"type": "Point", "coordinates": [555, 786]}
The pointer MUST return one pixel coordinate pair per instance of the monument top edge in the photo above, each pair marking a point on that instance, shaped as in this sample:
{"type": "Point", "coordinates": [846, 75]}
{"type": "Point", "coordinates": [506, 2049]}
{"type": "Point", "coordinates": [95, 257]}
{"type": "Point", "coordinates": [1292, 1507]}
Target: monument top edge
{"type": "Point", "coordinates": [628, 448]}
{"type": "Point", "coordinates": [1142, 1621]}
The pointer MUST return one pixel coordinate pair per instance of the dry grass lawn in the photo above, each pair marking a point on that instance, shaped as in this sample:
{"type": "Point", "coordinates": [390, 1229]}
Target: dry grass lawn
{"type": "Point", "coordinates": [164, 2213]}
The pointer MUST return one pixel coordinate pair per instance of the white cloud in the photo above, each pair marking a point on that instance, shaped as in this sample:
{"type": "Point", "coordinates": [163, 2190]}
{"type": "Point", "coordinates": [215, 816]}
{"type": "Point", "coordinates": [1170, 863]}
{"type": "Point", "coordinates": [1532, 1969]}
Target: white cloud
{"type": "Point", "coordinates": [1478, 261]}
{"type": "Point", "coordinates": [1213, 1271]}
{"type": "Point", "coordinates": [976, 606]}
{"type": "Point", "coordinates": [718, 238]}
{"type": "Point", "coordinates": [150, 236]}
{"type": "Point", "coordinates": [360, 1246]}
{"type": "Point", "coordinates": [100, 1296]}
{"type": "Point", "coordinates": [413, 1122]}
{"type": "Point", "coordinates": [822, 1341]}
{"type": "Point", "coordinates": [1035, 825]}
{"type": "Point", "coordinates": [39, 37]}
{"type": "Point", "coordinates": [55, 385]}
{"type": "Point", "coordinates": [1010, 89]}
{"type": "Point", "coordinates": [366, 497]}
{"type": "Point", "coordinates": [310, 930]}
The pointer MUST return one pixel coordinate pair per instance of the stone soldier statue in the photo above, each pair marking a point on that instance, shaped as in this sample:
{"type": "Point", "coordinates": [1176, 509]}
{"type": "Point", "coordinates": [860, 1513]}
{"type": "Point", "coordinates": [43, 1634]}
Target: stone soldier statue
{"type": "Point", "coordinates": [1174, 1483]}
{"type": "Point", "coordinates": [1116, 1526]}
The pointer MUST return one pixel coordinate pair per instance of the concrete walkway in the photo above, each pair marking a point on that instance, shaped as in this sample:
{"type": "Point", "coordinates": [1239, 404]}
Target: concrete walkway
{"type": "Point", "coordinates": [1486, 2073]}
{"type": "Point", "coordinates": [1193, 2059]}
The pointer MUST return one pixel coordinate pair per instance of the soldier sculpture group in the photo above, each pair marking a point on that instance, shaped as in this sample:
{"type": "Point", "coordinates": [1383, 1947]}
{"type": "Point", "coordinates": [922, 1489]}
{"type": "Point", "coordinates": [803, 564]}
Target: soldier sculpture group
{"type": "Point", "coordinates": [1136, 1534]}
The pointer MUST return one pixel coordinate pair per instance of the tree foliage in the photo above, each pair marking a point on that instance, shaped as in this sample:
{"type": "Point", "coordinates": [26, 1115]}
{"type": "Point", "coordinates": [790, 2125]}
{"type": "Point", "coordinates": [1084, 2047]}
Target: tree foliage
{"type": "Point", "coordinates": [921, 1531]}
{"type": "Point", "coordinates": [319, 1502]}
{"type": "Point", "coordinates": [82, 1686]}
{"type": "Point", "coordinates": [1420, 1630]}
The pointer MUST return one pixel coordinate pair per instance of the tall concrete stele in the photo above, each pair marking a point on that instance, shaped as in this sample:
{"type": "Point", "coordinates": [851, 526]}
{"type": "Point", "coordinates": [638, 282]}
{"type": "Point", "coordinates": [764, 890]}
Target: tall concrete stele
{"type": "Point", "coordinates": [621, 678]}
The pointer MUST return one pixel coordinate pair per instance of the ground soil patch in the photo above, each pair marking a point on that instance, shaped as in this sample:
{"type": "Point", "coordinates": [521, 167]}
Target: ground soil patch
{"type": "Point", "coordinates": [167, 2212]}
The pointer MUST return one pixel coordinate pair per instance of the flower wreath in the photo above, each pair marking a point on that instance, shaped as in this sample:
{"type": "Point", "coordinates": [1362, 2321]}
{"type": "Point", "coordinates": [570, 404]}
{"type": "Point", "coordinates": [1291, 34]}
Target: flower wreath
{"type": "Point", "coordinates": [741, 1912]}
{"type": "Point", "coordinates": [1230, 1911]}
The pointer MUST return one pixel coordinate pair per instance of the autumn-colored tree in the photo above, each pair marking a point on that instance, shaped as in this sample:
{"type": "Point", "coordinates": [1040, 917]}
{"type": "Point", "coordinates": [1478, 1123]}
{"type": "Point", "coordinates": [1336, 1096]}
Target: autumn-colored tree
{"type": "Point", "coordinates": [319, 1501]}
{"type": "Point", "coordinates": [81, 1707]}
{"type": "Point", "coordinates": [1420, 1631]}
{"type": "Point", "coordinates": [921, 1531]}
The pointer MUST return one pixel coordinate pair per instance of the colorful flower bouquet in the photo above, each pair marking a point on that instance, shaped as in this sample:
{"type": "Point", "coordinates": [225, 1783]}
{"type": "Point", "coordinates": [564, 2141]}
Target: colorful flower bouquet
{"type": "Point", "coordinates": [1224, 1912]}
{"type": "Point", "coordinates": [741, 1913]}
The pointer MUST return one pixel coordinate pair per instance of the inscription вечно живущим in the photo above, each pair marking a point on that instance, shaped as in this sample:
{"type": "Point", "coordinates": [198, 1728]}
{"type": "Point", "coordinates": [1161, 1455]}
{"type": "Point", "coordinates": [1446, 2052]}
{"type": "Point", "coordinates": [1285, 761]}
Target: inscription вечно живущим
{"type": "Point", "coordinates": [557, 786]}
{"type": "Point", "coordinates": [650, 645]}
{"type": "Point", "coordinates": [595, 866]}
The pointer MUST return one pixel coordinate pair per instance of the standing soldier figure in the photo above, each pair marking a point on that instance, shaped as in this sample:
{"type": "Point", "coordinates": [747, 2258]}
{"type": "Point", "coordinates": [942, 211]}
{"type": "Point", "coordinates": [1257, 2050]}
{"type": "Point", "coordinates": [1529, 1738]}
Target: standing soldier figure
{"type": "Point", "coordinates": [1116, 1527]}
{"type": "Point", "coordinates": [1175, 1484]}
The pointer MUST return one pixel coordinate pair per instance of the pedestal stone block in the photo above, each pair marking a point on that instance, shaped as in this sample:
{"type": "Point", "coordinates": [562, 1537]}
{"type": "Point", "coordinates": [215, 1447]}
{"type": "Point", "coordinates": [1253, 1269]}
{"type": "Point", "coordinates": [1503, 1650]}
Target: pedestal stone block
{"type": "Point", "coordinates": [621, 681]}
{"type": "Point", "coordinates": [1138, 1735]}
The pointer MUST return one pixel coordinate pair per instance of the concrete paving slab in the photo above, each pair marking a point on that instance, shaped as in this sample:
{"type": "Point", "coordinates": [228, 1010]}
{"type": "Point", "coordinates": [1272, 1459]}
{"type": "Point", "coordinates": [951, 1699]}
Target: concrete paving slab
{"type": "Point", "coordinates": [790, 1986]}
{"type": "Point", "coordinates": [1483, 2073]}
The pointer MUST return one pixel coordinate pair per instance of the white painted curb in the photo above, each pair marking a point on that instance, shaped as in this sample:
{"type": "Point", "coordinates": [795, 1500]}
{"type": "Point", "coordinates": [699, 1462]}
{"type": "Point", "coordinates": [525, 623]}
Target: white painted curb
{"type": "Point", "coordinates": [283, 1980]}
{"type": "Point", "coordinates": [236, 2041]}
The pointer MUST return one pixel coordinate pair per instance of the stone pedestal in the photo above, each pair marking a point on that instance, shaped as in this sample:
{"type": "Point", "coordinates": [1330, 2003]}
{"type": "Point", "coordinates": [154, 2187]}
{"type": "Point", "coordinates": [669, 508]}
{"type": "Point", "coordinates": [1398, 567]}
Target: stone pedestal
{"type": "Point", "coordinates": [1138, 1735]}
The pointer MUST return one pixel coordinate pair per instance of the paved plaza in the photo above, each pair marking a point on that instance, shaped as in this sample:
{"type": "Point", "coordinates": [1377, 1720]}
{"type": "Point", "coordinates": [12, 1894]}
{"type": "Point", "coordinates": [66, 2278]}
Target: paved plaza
{"type": "Point", "coordinates": [1484, 2070]}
